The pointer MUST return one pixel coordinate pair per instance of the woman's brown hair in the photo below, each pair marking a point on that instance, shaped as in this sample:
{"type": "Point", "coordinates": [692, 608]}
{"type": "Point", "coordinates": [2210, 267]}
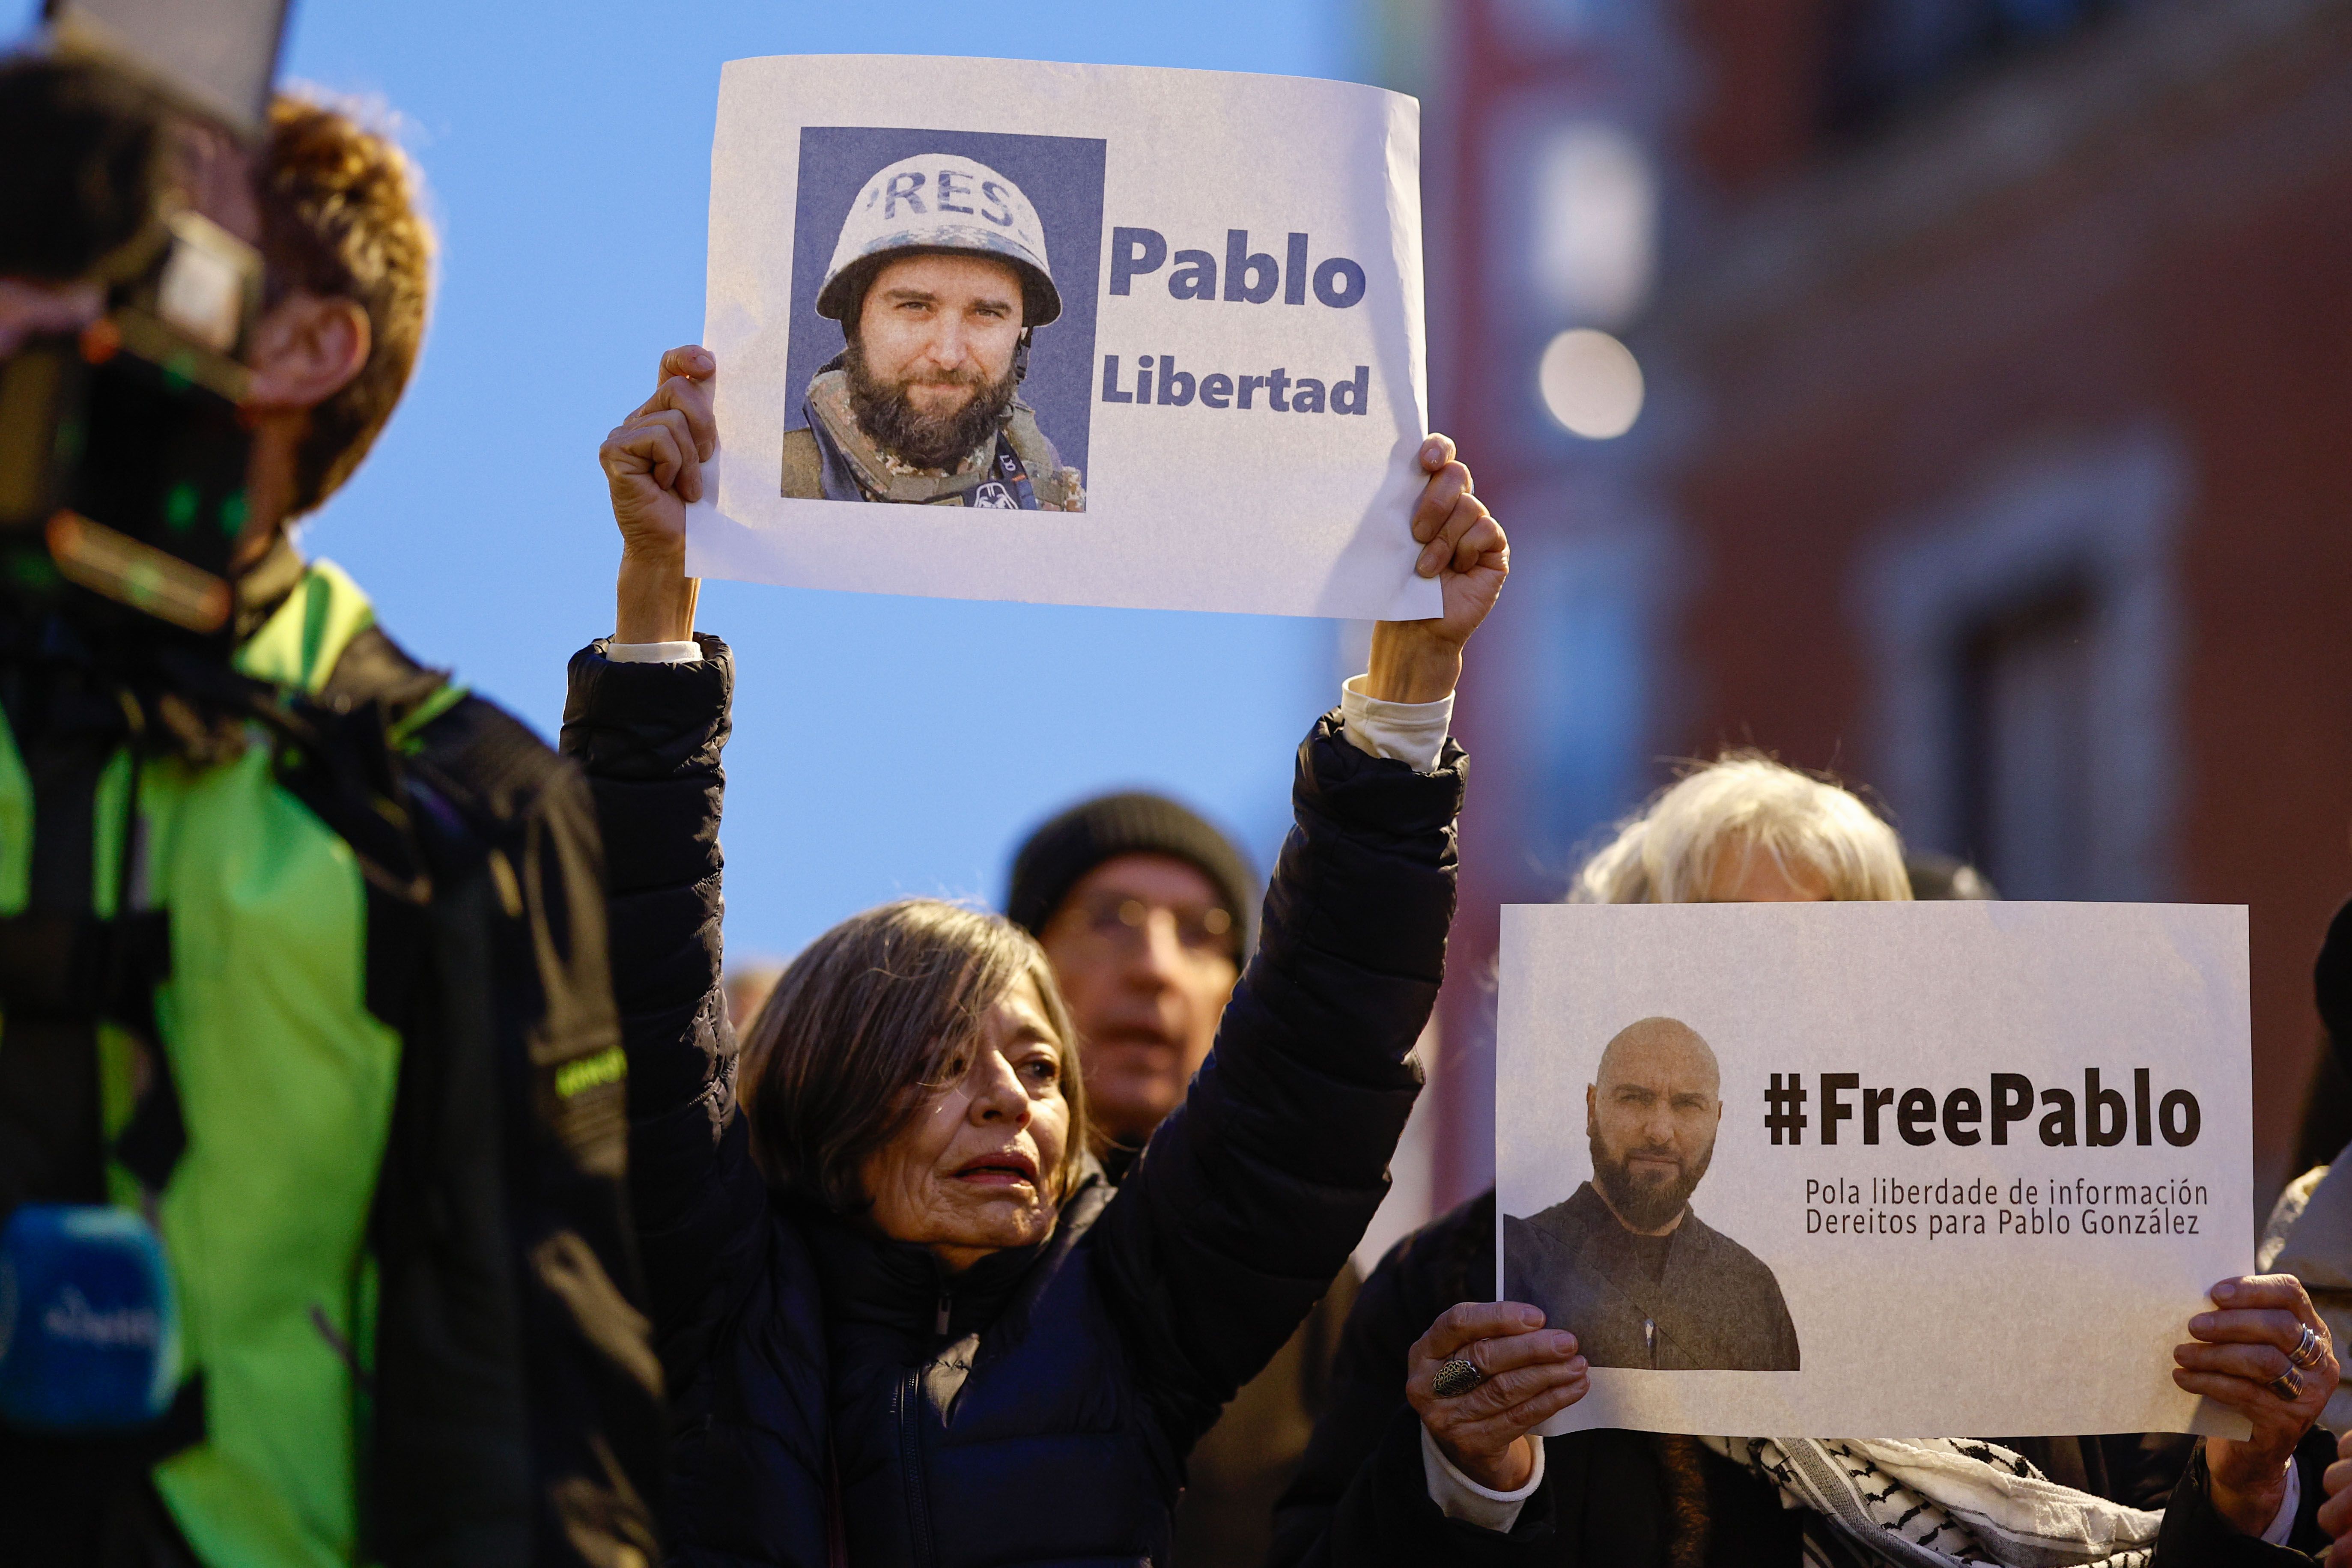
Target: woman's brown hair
{"type": "Point", "coordinates": [858, 1031]}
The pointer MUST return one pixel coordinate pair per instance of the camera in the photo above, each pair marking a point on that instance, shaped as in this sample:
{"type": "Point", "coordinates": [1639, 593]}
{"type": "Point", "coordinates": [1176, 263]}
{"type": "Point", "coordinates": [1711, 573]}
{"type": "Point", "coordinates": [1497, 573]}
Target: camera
{"type": "Point", "coordinates": [122, 453]}
{"type": "Point", "coordinates": [123, 464]}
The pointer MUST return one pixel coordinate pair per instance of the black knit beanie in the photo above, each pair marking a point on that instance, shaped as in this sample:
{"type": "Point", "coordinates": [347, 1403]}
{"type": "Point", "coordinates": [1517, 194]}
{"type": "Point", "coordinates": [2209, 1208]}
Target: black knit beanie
{"type": "Point", "coordinates": [1064, 849]}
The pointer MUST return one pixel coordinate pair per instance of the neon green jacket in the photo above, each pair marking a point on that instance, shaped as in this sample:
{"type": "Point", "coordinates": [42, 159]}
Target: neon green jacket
{"type": "Point", "coordinates": [372, 1100]}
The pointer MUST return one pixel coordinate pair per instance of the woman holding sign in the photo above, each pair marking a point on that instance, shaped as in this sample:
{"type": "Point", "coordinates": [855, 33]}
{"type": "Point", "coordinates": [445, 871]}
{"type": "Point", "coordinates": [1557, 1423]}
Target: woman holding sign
{"type": "Point", "coordinates": [1458, 1400]}
{"type": "Point", "coordinates": [902, 1317]}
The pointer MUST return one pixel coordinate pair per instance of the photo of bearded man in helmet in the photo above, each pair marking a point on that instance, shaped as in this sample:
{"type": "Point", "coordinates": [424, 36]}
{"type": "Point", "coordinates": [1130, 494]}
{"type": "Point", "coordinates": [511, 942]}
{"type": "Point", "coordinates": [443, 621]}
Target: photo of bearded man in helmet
{"type": "Point", "coordinates": [939, 279]}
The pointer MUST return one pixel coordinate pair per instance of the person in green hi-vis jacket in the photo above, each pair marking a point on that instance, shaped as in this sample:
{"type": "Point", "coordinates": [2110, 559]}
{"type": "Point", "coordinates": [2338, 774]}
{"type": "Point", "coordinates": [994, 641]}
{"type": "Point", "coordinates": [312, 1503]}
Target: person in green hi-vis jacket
{"type": "Point", "coordinates": [302, 960]}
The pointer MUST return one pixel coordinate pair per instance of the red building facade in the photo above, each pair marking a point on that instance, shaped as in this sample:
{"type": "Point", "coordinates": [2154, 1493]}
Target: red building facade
{"type": "Point", "coordinates": [1997, 455]}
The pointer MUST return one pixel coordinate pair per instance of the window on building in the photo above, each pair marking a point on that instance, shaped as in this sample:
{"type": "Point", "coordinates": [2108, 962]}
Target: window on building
{"type": "Point", "coordinates": [2026, 642]}
{"type": "Point", "coordinates": [2029, 780]}
{"type": "Point", "coordinates": [1883, 55]}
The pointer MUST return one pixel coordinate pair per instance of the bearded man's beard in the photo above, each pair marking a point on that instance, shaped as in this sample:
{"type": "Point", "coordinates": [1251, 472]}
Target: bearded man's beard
{"type": "Point", "coordinates": [1646, 1202]}
{"type": "Point", "coordinates": [925, 440]}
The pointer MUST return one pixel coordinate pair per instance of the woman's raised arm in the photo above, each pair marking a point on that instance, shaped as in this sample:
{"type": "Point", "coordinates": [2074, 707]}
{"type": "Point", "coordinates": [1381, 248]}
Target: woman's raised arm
{"type": "Point", "coordinates": [646, 717]}
{"type": "Point", "coordinates": [1251, 1197]}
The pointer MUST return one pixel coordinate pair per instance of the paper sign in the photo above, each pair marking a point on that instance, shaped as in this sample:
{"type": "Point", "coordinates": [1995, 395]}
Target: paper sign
{"type": "Point", "coordinates": [1876, 1169]}
{"type": "Point", "coordinates": [1104, 335]}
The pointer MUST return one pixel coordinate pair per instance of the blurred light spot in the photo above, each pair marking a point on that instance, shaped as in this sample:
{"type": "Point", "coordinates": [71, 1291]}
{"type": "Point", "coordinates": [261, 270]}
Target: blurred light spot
{"type": "Point", "coordinates": [1591, 384]}
{"type": "Point", "coordinates": [1595, 224]}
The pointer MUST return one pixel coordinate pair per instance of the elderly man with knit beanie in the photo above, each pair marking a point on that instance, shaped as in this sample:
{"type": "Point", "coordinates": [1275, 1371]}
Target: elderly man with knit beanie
{"type": "Point", "coordinates": [1143, 909]}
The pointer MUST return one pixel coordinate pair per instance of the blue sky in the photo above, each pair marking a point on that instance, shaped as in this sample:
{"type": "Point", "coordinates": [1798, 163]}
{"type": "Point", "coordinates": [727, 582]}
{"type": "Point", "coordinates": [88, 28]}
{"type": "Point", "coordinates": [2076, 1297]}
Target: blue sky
{"type": "Point", "coordinates": [883, 746]}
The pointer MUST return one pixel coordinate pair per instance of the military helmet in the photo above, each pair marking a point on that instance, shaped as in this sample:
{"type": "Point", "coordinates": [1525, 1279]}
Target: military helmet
{"type": "Point", "coordinates": [937, 201]}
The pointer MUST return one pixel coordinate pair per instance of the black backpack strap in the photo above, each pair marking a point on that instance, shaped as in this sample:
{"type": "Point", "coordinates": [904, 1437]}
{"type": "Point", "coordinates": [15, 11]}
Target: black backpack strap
{"type": "Point", "coordinates": [60, 975]}
{"type": "Point", "coordinates": [61, 969]}
{"type": "Point", "coordinates": [60, 965]}
{"type": "Point", "coordinates": [514, 1377]}
{"type": "Point", "coordinates": [374, 668]}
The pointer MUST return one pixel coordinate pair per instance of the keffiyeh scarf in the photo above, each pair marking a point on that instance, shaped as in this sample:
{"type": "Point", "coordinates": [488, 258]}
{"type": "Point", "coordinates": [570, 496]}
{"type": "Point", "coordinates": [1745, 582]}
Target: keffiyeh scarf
{"type": "Point", "coordinates": [1944, 1501]}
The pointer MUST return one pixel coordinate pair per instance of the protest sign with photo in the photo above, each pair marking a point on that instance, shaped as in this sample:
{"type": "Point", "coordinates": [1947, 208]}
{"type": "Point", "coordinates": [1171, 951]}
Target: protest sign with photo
{"type": "Point", "coordinates": [1099, 335]}
{"type": "Point", "coordinates": [1874, 1169]}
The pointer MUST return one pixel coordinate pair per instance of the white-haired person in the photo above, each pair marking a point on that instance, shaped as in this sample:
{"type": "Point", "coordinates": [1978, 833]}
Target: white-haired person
{"type": "Point", "coordinates": [1400, 1473]}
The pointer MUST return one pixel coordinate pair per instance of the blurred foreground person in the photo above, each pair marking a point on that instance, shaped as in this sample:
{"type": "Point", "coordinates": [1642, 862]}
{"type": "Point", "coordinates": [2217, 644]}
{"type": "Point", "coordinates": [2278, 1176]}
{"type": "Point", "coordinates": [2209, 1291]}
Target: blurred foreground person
{"type": "Point", "coordinates": [2336, 1514]}
{"type": "Point", "coordinates": [1142, 907]}
{"type": "Point", "coordinates": [905, 1319]}
{"type": "Point", "coordinates": [1747, 829]}
{"type": "Point", "coordinates": [2309, 1232]}
{"type": "Point", "coordinates": [302, 966]}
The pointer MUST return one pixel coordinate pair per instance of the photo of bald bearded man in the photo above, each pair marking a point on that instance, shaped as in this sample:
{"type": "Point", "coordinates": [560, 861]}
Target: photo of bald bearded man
{"type": "Point", "coordinates": [1624, 1264]}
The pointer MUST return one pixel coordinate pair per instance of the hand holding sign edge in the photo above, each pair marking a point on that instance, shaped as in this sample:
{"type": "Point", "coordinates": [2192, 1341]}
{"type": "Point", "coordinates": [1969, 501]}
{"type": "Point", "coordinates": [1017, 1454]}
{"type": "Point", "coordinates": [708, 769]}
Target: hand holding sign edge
{"type": "Point", "coordinates": [1465, 548]}
{"type": "Point", "coordinates": [2240, 1350]}
{"type": "Point", "coordinates": [1528, 1376]}
{"type": "Point", "coordinates": [653, 465]}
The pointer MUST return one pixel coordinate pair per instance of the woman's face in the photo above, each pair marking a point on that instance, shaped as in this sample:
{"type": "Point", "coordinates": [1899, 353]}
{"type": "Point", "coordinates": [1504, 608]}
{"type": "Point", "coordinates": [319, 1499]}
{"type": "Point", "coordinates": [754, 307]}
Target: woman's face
{"type": "Point", "coordinates": [975, 1171]}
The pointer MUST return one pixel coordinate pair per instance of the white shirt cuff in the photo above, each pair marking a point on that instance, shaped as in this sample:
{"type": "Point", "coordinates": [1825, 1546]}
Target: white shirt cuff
{"type": "Point", "coordinates": [1410, 732]}
{"type": "Point", "coordinates": [653, 652]}
{"type": "Point", "coordinates": [2283, 1525]}
{"type": "Point", "coordinates": [1458, 1497]}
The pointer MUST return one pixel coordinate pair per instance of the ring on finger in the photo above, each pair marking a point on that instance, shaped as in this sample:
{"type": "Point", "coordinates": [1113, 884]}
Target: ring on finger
{"type": "Point", "coordinates": [2307, 1350]}
{"type": "Point", "coordinates": [1458, 1377]}
{"type": "Point", "coordinates": [2288, 1385]}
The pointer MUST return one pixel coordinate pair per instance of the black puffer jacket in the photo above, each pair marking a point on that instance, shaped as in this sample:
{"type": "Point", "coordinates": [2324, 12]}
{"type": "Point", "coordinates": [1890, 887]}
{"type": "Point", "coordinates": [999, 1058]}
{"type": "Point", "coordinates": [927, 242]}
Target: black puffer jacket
{"type": "Point", "coordinates": [1036, 1409]}
{"type": "Point", "coordinates": [736, 1319]}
